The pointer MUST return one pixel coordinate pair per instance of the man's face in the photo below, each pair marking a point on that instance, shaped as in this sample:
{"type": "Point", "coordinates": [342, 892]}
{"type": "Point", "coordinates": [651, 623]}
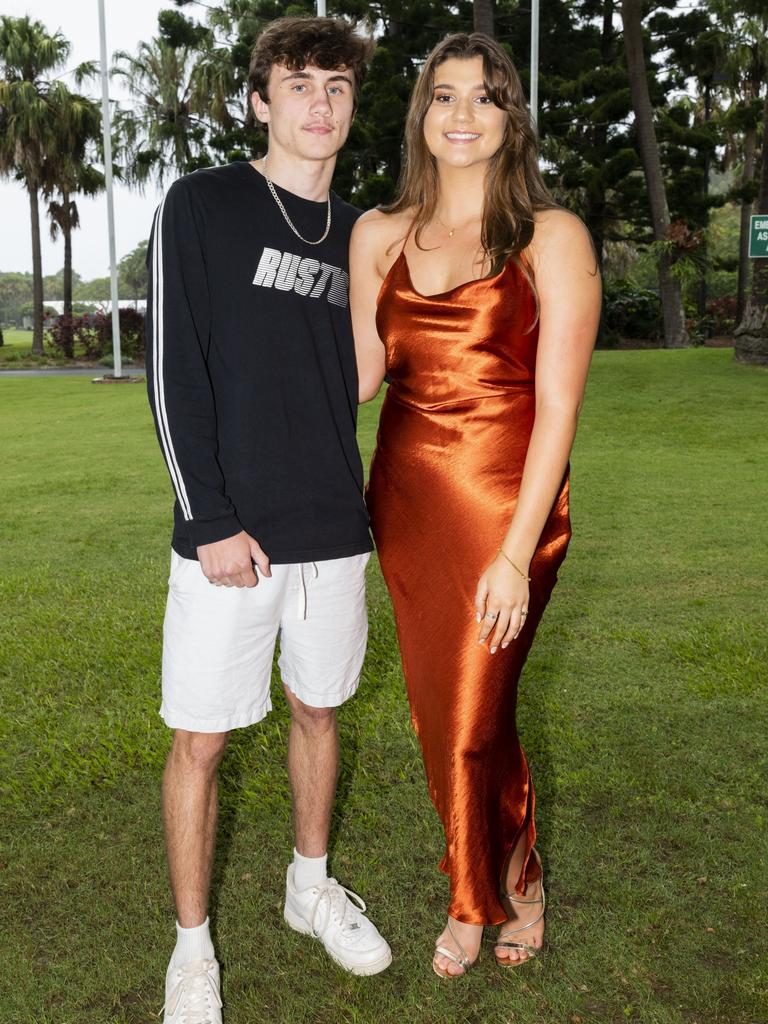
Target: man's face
{"type": "Point", "coordinates": [309, 111]}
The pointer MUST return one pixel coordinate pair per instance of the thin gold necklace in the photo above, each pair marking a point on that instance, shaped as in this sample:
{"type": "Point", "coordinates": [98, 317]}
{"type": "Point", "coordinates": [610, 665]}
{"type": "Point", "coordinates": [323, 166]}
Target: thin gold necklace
{"type": "Point", "coordinates": [289, 222]}
{"type": "Point", "coordinates": [451, 231]}
{"type": "Point", "coordinates": [443, 224]}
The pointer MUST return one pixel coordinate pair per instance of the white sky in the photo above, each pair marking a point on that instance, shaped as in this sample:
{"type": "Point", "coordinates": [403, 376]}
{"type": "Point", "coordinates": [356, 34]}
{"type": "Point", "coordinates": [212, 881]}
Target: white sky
{"type": "Point", "coordinates": [128, 22]}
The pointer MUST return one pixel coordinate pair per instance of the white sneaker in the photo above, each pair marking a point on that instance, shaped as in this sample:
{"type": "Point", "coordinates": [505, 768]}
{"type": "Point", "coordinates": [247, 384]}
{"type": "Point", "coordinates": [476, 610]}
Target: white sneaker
{"type": "Point", "coordinates": [192, 993]}
{"type": "Point", "coordinates": [325, 912]}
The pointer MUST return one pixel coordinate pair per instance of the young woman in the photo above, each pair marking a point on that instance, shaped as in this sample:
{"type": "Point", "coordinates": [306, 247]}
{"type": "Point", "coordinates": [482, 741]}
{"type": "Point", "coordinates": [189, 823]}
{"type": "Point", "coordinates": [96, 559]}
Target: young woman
{"type": "Point", "coordinates": [480, 298]}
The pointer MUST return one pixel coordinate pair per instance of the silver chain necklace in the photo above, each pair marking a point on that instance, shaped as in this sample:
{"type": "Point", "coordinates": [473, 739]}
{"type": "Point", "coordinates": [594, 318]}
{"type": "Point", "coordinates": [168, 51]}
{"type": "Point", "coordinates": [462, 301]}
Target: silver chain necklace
{"type": "Point", "coordinates": [289, 222]}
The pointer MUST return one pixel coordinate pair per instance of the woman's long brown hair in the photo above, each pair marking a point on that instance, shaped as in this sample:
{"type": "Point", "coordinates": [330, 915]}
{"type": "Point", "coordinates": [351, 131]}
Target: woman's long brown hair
{"type": "Point", "coordinates": [514, 190]}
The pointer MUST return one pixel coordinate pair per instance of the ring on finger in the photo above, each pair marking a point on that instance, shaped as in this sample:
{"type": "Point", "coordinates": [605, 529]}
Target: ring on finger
{"type": "Point", "coordinates": [491, 615]}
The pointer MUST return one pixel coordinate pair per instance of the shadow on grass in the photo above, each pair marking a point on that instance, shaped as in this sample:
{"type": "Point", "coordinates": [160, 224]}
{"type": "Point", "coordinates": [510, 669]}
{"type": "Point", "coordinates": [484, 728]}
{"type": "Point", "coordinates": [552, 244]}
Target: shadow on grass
{"type": "Point", "coordinates": [253, 778]}
{"type": "Point", "coordinates": [564, 623]}
{"type": "Point", "coordinates": [253, 789]}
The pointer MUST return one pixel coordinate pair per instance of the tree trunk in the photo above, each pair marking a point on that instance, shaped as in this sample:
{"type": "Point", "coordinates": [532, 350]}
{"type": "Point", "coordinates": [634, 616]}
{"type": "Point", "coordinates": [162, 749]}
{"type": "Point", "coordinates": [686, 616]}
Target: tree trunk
{"type": "Point", "coordinates": [701, 290]}
{"type": "Point", "coordinates": [595, 210]}
{"type": "Point", "coordinates": [483, 12]}
{"type": "Point", "coordinates": [750, 145]}
{"type": "Point", "coordinates": [751, 336]}
{"type": "Point", "coordinates": [37, 275]}
{"type": "Point", "coordinates": [66, 230]}
{"type": "Point", "coordinates": [675, 334]}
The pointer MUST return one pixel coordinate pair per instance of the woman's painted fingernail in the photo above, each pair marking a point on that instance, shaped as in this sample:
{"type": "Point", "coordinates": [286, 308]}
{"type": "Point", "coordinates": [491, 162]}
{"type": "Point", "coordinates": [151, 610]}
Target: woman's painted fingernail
{"type": "Point", "coordinates": [478, 617]}
{"type": "Point", "coordinates": [493, 650]}
{"type": "Point", "coordinates": [505, 645]}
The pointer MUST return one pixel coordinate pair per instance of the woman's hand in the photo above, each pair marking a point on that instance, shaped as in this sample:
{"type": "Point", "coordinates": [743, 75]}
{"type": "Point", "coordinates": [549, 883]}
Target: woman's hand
{"type": "Point", "coordinates": [501, 603]}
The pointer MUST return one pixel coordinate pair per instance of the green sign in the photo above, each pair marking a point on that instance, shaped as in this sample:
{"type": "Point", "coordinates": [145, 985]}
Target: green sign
{"type": "Point", "coordinates": [758, 236]}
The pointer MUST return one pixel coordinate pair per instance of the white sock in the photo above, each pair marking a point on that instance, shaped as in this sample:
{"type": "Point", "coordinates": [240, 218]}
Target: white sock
{"type": "Point", "coordinates": [192, 944]}
{"type": "Point", "coordinates": [309, 871]}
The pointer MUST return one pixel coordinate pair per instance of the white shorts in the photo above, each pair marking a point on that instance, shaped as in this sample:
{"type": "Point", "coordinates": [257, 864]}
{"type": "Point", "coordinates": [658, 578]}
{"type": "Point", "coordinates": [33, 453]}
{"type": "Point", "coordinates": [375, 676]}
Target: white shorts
{"type": "Point", "coordinates": [219, 642]}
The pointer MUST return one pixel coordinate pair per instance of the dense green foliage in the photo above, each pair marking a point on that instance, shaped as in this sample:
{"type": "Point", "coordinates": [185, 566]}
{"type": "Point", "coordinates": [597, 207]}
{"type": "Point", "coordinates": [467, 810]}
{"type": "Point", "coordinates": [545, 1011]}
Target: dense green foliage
{"type": "Point", "coordinates": [698, 64]}
{"type": "Point", "coordinates": [642, 711]}
{"type": "Point", "coordinates": [706, 65]}
{"type": "Point", "coordinates": [89, 336]}
{"type": "Point", "coordinates": [16, 288]}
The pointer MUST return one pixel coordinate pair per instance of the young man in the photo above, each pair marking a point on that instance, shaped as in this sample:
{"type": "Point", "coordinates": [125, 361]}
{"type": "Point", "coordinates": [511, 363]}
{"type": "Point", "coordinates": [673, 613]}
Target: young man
{"type": "Point", "coordinates": [253, 386]}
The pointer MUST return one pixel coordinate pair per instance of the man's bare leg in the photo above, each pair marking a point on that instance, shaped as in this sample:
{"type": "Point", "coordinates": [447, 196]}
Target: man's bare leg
{"type": "Point", "coordinates": [313, 765]}
{"type": "Point", "coordinates": [190, 811]}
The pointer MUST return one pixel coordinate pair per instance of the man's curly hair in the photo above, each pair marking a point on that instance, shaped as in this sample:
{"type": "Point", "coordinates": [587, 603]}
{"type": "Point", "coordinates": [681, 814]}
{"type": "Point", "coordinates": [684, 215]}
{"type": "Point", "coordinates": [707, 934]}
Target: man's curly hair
{"type": "Point", "coordinates": [326, 43]}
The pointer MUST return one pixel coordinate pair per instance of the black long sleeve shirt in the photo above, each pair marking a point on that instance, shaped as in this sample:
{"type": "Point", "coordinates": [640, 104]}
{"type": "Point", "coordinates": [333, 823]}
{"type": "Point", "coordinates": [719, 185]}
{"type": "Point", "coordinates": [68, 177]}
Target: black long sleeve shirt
{"type": "Point", "coordinates": [251, 369]}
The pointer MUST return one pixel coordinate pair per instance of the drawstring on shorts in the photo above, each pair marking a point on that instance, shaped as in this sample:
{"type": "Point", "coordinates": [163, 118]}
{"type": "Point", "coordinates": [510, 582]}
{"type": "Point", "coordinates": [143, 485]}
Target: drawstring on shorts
{"type": "Point", "coordinates": [301, 610]}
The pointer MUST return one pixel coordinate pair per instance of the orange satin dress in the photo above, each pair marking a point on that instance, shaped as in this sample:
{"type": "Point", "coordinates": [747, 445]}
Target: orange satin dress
{"type": "Point", "coordinates": [453, 436]}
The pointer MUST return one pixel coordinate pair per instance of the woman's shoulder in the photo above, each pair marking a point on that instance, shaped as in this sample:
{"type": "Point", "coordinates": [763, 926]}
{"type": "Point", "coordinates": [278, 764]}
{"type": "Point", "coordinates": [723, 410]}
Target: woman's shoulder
{"type": "Point", "coordinates": [377, 233]}
{"type": "Point", "coordinates": [561, 240]}
{"type": "Point", "coordinates": [555, 225]}
{"type": "Point", "coordinates": [379, 226]}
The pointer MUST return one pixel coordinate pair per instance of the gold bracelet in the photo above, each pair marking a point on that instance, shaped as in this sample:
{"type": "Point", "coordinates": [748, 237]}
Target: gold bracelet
{"type": "Point", "coordinates": [519, 571]}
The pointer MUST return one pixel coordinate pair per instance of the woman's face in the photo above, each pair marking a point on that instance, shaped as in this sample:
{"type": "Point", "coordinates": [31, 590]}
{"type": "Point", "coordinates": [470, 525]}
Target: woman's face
{"type": "Point", "coordinates": [462, 126]}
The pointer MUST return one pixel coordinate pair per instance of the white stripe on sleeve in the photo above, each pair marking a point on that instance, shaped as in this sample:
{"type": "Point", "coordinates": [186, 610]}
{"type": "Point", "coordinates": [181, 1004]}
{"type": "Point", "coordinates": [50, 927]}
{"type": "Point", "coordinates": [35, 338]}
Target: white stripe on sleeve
{"type": "Point", "coordinates": [157, 350]}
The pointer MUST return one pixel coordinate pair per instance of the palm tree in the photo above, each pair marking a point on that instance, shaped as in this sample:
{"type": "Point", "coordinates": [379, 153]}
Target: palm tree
{"type": "Point", "coordinates": [27, 123]}
{"type": "Point", "coordinates": [675, 333]}
{"type": "Point", "coordinates": [65, 216]}
{"type": "Point", "coordinates": [165, 131]}
{"type": "Point", "coordinates": [68, 172]}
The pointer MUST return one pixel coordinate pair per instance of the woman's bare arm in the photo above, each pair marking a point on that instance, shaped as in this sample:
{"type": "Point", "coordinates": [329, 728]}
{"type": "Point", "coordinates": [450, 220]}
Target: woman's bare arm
{"type": "Point", "coordinates": [568, 285]}
{"type": "Point", "coordinates": [364, 283]}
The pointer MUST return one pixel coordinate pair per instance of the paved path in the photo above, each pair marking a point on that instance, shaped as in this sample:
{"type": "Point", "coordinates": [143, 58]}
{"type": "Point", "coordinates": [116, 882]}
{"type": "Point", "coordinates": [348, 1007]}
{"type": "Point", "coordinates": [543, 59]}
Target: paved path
{"type": "Point", "coordinates": [55, 371]}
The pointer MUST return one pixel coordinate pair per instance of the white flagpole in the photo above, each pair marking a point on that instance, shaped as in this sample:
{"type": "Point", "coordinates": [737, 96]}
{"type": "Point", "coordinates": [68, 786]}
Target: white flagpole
{"type": "Point", "coordinates": [107, 133]}
{"type": "Point", "coordinates": [321, 8]}
{"type": "Point", "coordinates": [534, 97]}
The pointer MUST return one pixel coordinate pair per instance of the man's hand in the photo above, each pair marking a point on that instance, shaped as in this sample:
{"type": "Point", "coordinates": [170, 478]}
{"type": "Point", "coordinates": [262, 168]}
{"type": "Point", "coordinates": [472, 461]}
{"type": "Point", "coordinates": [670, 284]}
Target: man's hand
{"type": "Point", "coordinates": [229, 562]}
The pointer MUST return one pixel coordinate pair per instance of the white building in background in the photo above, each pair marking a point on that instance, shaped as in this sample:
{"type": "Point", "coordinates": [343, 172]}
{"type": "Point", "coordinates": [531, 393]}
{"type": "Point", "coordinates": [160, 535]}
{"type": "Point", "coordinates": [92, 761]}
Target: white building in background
{"type": "Point", "coordinates": [91, 305]}
{"type": "Point", "coordinates": [98, 305]}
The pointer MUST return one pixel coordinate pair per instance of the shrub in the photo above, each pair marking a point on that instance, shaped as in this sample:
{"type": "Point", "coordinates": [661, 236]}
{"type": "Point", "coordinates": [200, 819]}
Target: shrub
{"type": "Point", "coordinates": [60, 335]}
{"type": "Point", "coordinates": [94, 335]}
{"type": "Point", "coordinates": [132, 334]}
{"type": "Point", "coordinates": [721, 314]}
{"type": "Point", "coordinates": [630, 311]}
{"type": "Point", "coordinates": [90, 336]}
{"type": "Point", "coordinates": [719, 319]}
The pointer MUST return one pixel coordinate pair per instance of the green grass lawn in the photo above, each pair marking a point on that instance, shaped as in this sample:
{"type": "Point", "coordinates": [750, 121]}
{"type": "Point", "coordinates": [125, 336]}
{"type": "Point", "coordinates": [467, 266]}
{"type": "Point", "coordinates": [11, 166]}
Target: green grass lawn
{"type": "Point", "coordinates": [16, 352]}
{"type": "Point", "coordinates": [17, 339]}
{"type": "Point", "coordinates": [16, 347]}
{"type": "Point", "coordinates": [642, 712]}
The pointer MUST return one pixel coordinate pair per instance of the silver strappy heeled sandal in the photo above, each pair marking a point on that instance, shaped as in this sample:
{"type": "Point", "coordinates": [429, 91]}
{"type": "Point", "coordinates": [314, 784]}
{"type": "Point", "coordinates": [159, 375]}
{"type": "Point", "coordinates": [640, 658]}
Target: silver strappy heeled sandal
{"type": "Point", "coordinates": [459, 958]}
{"type": "Point", "coordinates": [504, 942]}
